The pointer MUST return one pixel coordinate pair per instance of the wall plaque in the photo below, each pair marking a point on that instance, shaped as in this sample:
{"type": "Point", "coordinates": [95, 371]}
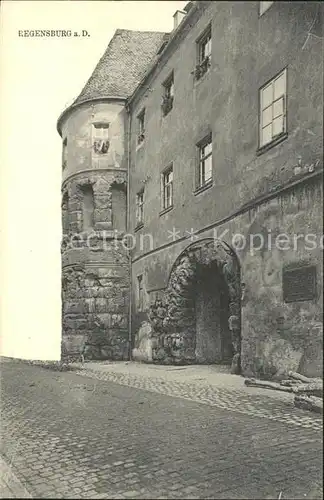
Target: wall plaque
{"type": "Point", "coordinates": [299, 284]}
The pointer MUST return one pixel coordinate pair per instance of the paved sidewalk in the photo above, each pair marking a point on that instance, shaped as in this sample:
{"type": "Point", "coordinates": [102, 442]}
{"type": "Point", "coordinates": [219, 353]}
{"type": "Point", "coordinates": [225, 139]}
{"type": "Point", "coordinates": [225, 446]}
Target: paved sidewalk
{"type": "Point", "coordinates": [207, 384]}
{"type": "Point", "coordinates": [10, 486]}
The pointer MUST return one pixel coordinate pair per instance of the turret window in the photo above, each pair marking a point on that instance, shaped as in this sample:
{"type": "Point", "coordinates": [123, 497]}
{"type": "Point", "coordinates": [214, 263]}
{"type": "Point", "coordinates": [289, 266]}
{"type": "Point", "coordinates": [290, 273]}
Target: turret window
{"type": "Point", "coordinates": [64, 154]}
{"type": "Point", "coordinates": [100, 138]}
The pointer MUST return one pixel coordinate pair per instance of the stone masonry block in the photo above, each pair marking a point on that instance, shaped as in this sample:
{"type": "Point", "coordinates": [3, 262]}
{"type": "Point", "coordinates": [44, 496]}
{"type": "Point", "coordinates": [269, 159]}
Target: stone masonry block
{"type": "Point", "coordinates": [103, 226]}
{"type": "Point", "coordinates": [90, 305]}
{"type": "Point", "coordinates": [103, 215]}
{"type": "Point", "coordinates": [101, 305]}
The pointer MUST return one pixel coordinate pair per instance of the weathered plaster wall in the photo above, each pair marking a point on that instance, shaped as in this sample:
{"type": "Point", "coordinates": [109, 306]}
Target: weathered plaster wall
{"type": "Point", "coordinates": [77, 129]}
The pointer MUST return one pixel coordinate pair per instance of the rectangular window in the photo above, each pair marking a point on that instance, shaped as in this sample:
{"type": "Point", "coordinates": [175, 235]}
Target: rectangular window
{"type": "Point", "coordinates": [204, 48]}
{"type": "Point", "coordinates": [167, 188]}
{"type": "Point", "coordinates": [140, 207]}
{"type": "Point", "coordinates": [141, 127]}
{"type": "Point", "coordinates": [205, 166]}
{"type": "Point", "coordinates": [64, 154]}
{"type": "Point", "coordinates": [100, 137]}
{"type": "Point", "coordinates": [264, 6]}
{"type": "Point", "coordinates": [273, 100]}
{"type": "Point", "coordinates": [140, 293]}
{"type": "Point", "coordinates": [168, 95]}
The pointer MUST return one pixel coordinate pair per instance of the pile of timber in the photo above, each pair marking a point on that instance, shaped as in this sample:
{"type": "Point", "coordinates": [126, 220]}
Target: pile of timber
{"type": "Point", "coordinates": [308, 391]}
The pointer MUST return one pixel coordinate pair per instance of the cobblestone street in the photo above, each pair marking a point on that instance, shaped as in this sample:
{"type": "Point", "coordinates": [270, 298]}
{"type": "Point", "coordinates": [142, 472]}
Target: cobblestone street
{"type": "Point", "coordinates": [108, 434]}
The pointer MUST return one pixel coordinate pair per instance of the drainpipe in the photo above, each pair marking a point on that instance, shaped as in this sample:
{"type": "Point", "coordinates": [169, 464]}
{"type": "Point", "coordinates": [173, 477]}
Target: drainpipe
{"type": "Point", "coordinates": [127, 108]}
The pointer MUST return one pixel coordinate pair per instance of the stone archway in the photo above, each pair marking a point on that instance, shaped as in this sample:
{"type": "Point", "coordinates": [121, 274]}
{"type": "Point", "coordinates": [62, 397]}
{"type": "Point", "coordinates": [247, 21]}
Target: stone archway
{"type": "Point", "coordinates": [174, 315]}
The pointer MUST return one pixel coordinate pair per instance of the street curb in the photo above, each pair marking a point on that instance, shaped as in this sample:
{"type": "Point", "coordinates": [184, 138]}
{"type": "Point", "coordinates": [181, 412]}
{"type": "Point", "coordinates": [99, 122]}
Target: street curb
{"type": "Point", "coordinates": [11, 481]}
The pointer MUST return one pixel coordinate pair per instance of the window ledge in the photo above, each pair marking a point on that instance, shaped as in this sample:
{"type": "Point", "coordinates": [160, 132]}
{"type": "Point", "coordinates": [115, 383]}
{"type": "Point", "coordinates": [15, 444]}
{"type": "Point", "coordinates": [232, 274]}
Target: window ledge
{"type": "Point", "coordinates": [165, 210]}
{"type": "Point", "coordinates": [202, 78]}
{"type": "Point", "coordinates": [271, 144]}
{"type": "Point", "coordinates": [140, 145]}
{"type": "Point", "coordinates": [139, 226]}
{"type": "Point", "coordinates": [164, 114]}
{"type": "Point", "coordinates": [203, 188]}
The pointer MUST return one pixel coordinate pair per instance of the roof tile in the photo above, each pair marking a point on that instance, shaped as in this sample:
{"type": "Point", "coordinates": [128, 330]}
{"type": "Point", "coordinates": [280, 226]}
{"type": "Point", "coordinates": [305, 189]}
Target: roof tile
{"type": "Point", "coordinates": [123, 65]}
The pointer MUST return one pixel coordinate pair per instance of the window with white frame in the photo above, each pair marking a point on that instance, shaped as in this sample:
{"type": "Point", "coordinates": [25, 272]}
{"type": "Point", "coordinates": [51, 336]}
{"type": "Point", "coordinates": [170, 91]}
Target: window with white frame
{"type": "Point", "coordinates": [168, 94]}
{"type": "Point", "coordinates": [100, 137]}
{"type": "Point", "coordinates": [205, 165]}
{"type": "Point", "coordinates": [167, 188]}
{"type": "Point", "coordinates": [140, 207]}
{"type": "Point", "coordinates": [273, 102]}
{"type": "Point", "coordinates": [204, 48]}
{"type": "Point", "coordinates": [140, 292]}
{"type": "Point", "coordinates": [141, 127]}
{"type": "Point", "coordinates": [264, 6]}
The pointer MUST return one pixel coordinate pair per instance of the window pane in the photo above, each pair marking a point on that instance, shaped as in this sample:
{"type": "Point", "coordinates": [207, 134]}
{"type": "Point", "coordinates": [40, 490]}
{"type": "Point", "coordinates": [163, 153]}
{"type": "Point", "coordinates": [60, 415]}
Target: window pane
{"type": "Point", "coordinates": [267, 97]}
{"type": "Point", "coordinates": [278, 125]}
{"type": "Point", "coordinates": [266, 135]}
{"type": "Point", "coordinates": [264, 6]}
{"type": "Point", "coordinates": [208, 47]}
{"type": "Point", "coordinates": [278, 108]}
{"type": "Point", "coordinates": [267, 116]}
{"type": "Point", "coordinates": [168, 196]}
{"type": "Point", "coordinates": [208, 168]}
{"type": "Point", "coordinates": [207, 149]}
{"type": "Point", "coordinates": [280, 86]}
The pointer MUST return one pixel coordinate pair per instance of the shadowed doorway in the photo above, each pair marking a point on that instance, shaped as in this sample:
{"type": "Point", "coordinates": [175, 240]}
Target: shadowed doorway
{"type": "Point", "coordinates": [213, 338]}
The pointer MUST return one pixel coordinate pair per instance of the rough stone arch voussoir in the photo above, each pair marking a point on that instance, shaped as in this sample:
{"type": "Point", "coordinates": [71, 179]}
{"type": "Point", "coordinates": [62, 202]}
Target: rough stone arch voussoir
{"type": "Point", "coordinates": [172, 316]}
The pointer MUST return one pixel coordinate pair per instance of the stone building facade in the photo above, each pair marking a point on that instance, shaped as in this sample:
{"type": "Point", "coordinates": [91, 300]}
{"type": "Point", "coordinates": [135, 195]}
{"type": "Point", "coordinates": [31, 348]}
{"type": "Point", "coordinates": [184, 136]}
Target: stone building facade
{"type": "Point", "coordinates": [192, 193]}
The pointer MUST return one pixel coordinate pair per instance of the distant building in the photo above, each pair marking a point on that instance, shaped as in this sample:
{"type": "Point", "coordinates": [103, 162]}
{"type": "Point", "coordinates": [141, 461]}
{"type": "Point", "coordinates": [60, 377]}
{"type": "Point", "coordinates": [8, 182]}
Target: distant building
{"type": "Point", "coordinates": [192, 193]}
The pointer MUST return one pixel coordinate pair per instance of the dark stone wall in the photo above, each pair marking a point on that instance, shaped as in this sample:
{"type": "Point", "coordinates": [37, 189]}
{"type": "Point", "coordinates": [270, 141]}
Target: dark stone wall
{"type": "Point", "coordinates": [95, 311]}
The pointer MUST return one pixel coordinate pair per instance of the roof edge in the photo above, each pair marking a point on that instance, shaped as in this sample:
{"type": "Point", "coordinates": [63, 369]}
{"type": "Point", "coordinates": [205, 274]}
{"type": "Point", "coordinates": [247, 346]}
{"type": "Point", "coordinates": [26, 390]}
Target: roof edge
{"type": "Point", "coordinates": [194, 6]}
{"type": "Point", "coordinates": [75, 105]}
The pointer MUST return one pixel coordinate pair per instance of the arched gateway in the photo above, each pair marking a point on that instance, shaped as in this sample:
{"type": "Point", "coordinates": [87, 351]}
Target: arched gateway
{"type": "Point", "coordinates": [198, 317]}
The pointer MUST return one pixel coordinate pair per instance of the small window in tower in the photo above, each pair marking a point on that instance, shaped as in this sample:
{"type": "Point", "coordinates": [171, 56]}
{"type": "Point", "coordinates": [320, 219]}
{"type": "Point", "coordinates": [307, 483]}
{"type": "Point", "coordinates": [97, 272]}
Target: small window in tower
{"type": "Point", "coordinates": [64, 154]}
{"type": "Point", "coordinates": [65, 214]}
{"type": "Point", "coordinates": [100, 140]}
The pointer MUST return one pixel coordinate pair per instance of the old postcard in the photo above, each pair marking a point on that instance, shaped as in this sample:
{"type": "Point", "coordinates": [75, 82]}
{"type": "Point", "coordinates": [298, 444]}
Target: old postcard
{"type": "Point", "coordinates": [162, 249]}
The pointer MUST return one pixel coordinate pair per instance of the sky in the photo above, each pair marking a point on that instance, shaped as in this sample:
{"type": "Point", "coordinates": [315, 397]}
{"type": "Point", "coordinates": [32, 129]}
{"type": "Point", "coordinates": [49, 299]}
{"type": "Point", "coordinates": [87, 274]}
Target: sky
{"type": "Point", "coordinates": [39, 78]}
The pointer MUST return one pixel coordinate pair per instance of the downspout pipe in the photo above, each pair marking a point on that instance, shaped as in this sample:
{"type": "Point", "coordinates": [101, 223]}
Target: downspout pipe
{"type": "Point", "coordinates": [129, 123]}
